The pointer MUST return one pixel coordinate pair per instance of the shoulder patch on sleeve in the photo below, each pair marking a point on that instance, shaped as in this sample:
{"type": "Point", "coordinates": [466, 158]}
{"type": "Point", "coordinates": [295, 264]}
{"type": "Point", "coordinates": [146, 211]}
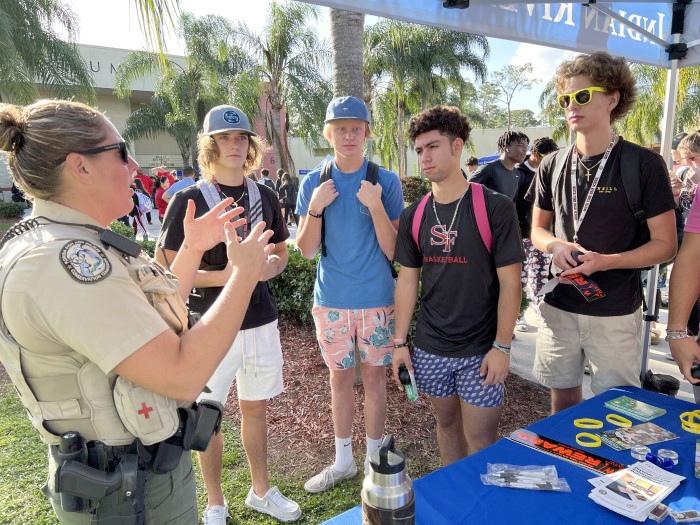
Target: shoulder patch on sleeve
{"type": "Point", "coordinates": [85, 262]}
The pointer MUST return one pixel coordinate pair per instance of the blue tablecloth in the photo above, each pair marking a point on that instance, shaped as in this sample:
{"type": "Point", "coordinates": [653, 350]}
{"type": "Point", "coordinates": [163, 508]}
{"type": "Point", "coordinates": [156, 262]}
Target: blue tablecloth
{"type": "Point", "coordinates": [455, 495]}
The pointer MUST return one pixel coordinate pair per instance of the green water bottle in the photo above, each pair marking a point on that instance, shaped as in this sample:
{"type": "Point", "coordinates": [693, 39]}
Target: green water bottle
{"type": "Point", "coordinates": [409, 383]}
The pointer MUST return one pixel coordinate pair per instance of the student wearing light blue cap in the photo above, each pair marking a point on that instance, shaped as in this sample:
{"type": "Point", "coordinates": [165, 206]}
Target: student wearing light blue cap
{"type": "Point", "coordinates": [350, 208]}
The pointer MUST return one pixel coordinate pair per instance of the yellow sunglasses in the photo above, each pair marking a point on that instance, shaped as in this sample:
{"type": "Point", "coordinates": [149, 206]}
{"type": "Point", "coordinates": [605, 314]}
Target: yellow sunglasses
{"type": "Point", "coordinates": [582, 96]}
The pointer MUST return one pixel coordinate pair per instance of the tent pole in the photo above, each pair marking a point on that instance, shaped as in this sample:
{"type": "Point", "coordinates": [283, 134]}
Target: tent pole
{"type": "Point", "coordinates": [666, 137]}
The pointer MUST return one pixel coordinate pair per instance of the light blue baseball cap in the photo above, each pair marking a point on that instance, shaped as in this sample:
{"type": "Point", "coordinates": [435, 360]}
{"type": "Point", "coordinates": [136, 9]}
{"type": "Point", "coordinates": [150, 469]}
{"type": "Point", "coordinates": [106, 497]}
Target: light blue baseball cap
{"type": "Point", "coordinates": [226, 118]}
{"type": "Point", "coordinates": [347, 107]}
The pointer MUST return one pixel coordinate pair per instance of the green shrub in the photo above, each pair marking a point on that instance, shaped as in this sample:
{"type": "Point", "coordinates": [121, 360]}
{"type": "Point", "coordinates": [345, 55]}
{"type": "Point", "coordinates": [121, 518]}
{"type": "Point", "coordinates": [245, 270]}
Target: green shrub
{"type": "Point", "coordinates": [148, 246]}
{"type": "Point", "coordinates": [122, 229]}
{"type": "Point", "coordinates": [12, 210]}
{"type": "Point", "coordinates": [294, 287]}
{"type": "Point", "coordinates": [414, 188]}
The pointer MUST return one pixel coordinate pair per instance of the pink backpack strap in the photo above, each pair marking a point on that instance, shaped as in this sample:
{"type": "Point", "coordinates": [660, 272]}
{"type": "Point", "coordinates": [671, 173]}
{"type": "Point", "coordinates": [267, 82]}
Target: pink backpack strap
{"type": "Point", "coordinates": [482, 218]}
{"type": "Point", "coordinates": [418, 217]}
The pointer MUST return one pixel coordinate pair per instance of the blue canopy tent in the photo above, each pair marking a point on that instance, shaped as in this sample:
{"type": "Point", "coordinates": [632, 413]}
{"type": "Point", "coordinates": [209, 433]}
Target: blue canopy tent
{"type": "Point", "coordinates": [658, 33]}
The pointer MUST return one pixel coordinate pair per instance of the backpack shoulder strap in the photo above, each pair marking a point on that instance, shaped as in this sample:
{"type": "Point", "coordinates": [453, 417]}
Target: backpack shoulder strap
{"type": "Point", "coordinates": [481, 215]}
{"type": "Point", "coordinates": [560, 159]}
{"type": "Point", "coordinates": [372, 175]}
{"type": "Point", "coordinates": [208, 191]}
{"type": "Point", "coordinates": [326, 174]}
{"type": "Point", "coordinates": [418, 217]}
{"type": "Point", "coordinates": [326, 171]}
{"type": "Point", "coordinates": [630, 167]}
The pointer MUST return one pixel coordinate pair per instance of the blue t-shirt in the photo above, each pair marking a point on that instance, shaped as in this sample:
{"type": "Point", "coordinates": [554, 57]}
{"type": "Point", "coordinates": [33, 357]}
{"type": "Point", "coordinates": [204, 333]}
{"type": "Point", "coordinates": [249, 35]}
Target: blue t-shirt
{"type": "Point", "coordinates": [355, 273]}
{"type": "Point", "coordinates": [179, 185]}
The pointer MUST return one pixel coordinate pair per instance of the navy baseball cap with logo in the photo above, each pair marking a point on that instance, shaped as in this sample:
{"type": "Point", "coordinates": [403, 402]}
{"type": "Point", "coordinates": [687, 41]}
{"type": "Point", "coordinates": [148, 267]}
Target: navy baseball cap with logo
{"type": "Point", "coordinates": [226, 118]}
{"type": "Point", "coordinates": [347, 107]}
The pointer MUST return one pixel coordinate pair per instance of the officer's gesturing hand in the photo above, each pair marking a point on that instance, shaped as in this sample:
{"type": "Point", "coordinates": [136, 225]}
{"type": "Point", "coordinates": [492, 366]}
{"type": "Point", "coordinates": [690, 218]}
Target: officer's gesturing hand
{"type": "Point", "coordinates": [205, 232]}
{"type": "Point", "coordinates": [250, 255]}
{"type": "Point", "coordinates": [322, 196]}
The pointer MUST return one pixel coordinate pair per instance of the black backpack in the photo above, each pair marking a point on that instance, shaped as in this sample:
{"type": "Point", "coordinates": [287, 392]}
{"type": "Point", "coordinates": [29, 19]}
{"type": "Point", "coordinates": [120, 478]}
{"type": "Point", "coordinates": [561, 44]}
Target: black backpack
{"type": "Point", "coordinates": [372, 176]}
{"type": "Point", "coordinates": [630, 168]}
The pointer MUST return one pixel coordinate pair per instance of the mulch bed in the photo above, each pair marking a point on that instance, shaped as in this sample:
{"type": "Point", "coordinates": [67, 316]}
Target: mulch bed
{"type": "Point", "coordinates": [300, 427]}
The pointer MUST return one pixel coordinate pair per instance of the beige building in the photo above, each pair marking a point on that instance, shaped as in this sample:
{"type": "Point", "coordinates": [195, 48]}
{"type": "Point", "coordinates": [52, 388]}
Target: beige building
{"type": "Point", "coordinates": [162, 149]}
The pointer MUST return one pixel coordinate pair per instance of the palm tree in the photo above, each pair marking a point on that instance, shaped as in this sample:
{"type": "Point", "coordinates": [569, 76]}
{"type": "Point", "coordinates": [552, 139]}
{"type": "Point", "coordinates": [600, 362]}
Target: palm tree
{"type": "Point", "coordinates": [183, 96]}
{"type": "Point", "coordinates": [31, 52]}
{"type": "Point", "coordinates": [643, 123]}
{"type": "Point", "coordinates": [289, 62]}
{"type": "Point", "coordinates": [552, 114]}
{"type": "Point", "coordinates": [347, 33]}
{"type": "Point", "coordinates": [420, 65]}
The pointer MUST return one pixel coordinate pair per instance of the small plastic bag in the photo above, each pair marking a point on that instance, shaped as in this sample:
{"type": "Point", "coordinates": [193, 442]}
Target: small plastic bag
{"type": "Point", "coordinates": [532, 477]}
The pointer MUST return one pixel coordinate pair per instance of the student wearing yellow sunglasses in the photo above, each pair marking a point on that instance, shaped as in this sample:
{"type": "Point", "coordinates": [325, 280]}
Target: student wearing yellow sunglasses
{"type": "Point", "coordinates": [582, 205]}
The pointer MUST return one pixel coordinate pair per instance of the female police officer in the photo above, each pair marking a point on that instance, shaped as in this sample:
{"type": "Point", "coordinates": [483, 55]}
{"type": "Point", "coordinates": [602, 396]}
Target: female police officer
{"type": "Point", "coordinates": [93, 335]}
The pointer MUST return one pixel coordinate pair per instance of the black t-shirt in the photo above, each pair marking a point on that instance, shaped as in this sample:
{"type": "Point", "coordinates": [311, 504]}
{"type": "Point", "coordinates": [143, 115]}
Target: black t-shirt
{"type": "Point", "coordinates": [497, 177]}
{"type": "Point", "coordinates": [262, 308]}
{"type": "Point", "coordinates": [608, 227]}
{"type": "Point", "coordinates": [459, 301]}
{"type": "Point", "coordinates": [522, 205]}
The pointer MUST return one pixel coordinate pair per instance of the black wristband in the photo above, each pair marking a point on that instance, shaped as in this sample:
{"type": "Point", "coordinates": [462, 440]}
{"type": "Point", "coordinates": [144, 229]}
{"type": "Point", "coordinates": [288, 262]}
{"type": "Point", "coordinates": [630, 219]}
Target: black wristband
{"type": "Point", "coordinates": [315, 215]}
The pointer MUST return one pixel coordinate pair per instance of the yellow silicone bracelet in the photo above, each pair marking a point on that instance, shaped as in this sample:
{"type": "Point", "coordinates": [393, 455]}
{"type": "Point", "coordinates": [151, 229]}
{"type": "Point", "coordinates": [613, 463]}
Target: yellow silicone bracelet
{"type": "Point", "coordinates": [587, 422]}
{"type": "Point", "coordinates": [690, 418]}
{"type": "Point", "coordinates": [695, 429]}
{"type": "Point", "coordinates": [596, 442]}
{"type": "Point", "coordinates": [617, 419]}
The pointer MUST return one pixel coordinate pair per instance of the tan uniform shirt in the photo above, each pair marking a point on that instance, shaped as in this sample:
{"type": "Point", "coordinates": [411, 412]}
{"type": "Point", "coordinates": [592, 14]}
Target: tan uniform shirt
{"type": "Point", "coordinates": [73, 298]}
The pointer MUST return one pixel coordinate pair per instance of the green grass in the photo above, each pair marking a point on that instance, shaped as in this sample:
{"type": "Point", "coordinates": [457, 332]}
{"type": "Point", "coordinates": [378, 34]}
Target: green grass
{"type": "Point", "coordinates": [23, 471]}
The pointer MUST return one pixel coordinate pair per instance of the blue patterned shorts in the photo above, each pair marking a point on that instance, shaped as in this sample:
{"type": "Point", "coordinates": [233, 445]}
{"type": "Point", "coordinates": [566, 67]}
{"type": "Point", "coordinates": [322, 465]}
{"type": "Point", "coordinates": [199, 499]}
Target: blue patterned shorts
{"type": "Point", "coordinates": [439, 376]}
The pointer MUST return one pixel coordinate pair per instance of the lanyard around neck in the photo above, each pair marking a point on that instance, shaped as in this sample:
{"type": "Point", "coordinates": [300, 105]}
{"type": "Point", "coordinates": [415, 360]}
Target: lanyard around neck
{"type": "Point", "coordinates": [574, 182]}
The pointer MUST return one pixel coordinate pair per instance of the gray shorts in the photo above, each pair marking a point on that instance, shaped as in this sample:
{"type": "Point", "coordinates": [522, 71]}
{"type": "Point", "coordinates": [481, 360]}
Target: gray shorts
{"type": "Point", "coordinates": [612, 346]}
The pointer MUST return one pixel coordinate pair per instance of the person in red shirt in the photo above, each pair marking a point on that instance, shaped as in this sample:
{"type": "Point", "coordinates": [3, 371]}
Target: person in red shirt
{"type": "Point", "coordinates": [163, 184]}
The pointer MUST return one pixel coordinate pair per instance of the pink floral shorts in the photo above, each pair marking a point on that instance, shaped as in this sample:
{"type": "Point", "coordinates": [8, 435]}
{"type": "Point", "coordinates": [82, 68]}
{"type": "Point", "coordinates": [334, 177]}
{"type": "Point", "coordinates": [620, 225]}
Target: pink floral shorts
{"type": "Point", "coordinates": [338, 331]}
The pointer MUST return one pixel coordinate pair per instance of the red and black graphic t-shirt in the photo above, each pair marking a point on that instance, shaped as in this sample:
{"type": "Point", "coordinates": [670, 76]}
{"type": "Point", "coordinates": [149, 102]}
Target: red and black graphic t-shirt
{"type": "Point", "coordinates": [459, 301]}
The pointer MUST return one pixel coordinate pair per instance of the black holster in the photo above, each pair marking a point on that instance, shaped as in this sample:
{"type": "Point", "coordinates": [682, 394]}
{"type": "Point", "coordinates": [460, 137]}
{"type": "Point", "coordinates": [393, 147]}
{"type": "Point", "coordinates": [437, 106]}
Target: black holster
{"type": "Point", "coordinates": [197, 425]}
{"type": "Point", "coordinates": [81, 486]}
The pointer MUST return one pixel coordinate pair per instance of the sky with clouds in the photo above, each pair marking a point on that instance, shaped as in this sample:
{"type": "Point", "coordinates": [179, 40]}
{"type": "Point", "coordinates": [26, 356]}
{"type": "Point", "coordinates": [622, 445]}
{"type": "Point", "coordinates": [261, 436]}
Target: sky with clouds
{"type": "Point", "coordinates": [115, 24]}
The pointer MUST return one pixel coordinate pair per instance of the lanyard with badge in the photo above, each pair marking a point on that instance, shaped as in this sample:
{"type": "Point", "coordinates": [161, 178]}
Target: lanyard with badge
{"type": "Point", "coordinates": [574, 181]}
{"type": "Point", "coordinates": [586, 286]}
{"type": "Point", "coordinates": [243, 230]}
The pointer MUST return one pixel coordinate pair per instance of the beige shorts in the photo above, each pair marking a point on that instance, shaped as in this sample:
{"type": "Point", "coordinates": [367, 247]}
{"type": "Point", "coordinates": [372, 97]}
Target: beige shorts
{"type": "Point", "coordinates": [255, 360]}
{"type": "Point", "coordinates": [612, 346]}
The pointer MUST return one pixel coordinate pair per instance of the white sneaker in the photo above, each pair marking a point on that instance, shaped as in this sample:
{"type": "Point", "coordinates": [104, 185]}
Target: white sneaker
{"type": "Point", "coordinates": [329, 478]}
{"type": "Point", "coordinates": [274, 504]}
{"type": "Point", "coordinates": [521, 325]}
{"type": "Point", "coordinates": [216, 514]}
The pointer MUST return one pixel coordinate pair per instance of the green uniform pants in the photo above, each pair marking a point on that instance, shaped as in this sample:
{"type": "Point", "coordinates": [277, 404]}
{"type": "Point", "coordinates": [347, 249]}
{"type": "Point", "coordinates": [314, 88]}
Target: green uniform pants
{"type": "Point", "coordinates": [170, 500]}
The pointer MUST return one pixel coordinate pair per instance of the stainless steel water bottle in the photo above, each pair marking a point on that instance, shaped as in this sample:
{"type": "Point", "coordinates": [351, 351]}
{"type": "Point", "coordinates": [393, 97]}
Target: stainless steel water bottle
{"type": "Point", "coordinates": [387, 491]}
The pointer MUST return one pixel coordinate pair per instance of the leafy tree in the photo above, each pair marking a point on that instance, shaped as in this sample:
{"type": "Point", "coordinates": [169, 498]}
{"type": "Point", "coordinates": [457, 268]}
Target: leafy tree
{"type": "Point", "coordinates": [552, 114]}
{"type": "Point", "coordinates": [524, 118]}
{"type": "Point", "coordinates": [31, 52]}
{"type": "Point", "coordinates": [643, 123]}
{"type": "Point", "coordinates": [183, 96]}
{"type": "Point", "coordinates": [511, 79]}
{"type": "Point", "coordinates": [289, 60]}
{"type": "Point", "coordinates": [487, 104]}
{"type": "Point", "coordinates": [413, 67]}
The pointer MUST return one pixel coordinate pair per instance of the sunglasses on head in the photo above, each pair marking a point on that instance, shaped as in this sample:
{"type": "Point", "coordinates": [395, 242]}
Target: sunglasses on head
{"type": "Point", "coordinates": [581, 97]}
{"type": "Point", "coordinates": [121, 146]}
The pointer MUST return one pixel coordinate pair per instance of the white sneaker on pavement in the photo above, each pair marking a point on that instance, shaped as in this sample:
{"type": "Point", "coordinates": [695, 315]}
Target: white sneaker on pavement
{"type": "Point", "coordinates": [521, 325]}
{"type": "Point", "coordinates": [329, 478]}
{"type": "Point", "coordinates": [216, 514]}
{"type": "Point", "coordinates": [275, 504]}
